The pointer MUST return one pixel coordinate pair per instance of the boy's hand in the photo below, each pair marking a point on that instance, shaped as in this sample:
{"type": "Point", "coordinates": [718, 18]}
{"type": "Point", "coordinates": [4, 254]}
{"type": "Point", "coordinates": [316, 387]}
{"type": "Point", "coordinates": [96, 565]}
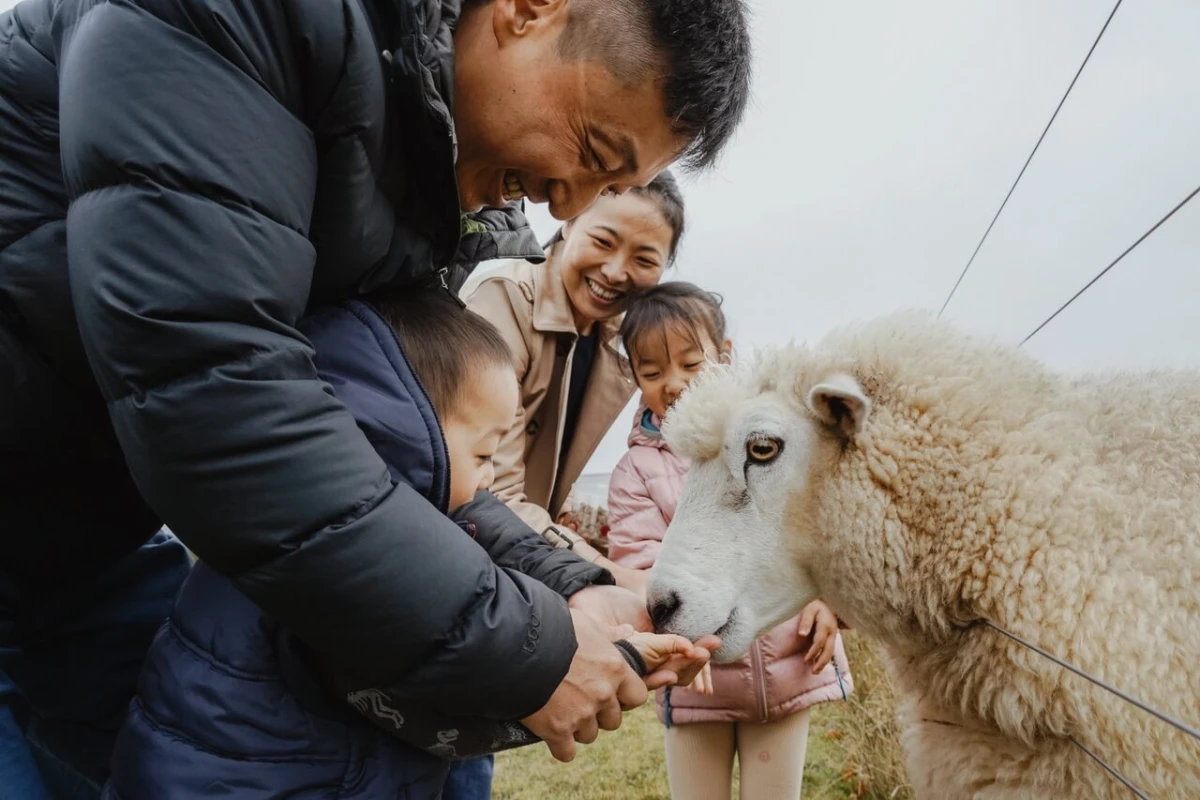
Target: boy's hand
{"type": "Point", "coordinates": [672, 660]}
{"type": "Point", "coordinates": [821, 617]}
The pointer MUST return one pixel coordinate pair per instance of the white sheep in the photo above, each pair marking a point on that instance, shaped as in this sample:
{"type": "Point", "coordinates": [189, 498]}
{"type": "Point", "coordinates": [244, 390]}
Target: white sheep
{"type": "Point", "coordinates": [923, 482]}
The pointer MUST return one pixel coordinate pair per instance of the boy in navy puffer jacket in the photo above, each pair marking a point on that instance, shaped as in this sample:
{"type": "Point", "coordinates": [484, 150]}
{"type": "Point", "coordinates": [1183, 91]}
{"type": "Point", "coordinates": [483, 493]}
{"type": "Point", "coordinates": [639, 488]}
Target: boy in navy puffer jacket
{"type": "Point", "coordinates": [230, 704]}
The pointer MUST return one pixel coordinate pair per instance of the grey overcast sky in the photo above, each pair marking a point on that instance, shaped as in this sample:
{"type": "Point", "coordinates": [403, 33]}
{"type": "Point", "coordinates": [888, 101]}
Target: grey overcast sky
{"type": "Point", "coordinates": [883, 137]}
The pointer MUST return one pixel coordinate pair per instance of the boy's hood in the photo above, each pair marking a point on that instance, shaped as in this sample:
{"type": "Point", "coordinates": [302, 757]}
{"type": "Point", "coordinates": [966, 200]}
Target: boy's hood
{"type": "Point", "coordinates": [360, 360]}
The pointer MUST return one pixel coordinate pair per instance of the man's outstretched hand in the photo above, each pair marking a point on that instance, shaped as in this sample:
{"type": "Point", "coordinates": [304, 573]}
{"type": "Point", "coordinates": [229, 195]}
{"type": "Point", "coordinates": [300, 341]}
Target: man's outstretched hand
{"type": "Point", "coordinates": [612, 606]}
{"type": "Point", "coordinates": [598, 685]}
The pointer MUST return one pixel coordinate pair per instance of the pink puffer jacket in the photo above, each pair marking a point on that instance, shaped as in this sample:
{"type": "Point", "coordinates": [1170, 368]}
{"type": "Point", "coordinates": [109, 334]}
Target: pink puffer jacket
{"type": "Point", "coordinates": [772, 680]}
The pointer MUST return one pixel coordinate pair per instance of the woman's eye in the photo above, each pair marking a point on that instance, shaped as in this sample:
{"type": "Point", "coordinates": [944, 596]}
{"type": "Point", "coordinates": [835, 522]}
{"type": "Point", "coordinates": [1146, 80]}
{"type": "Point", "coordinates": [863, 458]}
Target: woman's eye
{"type": "Point", "coordinates": [604, 243]}
{"type": "Point", "coordinates": [694, 365]}
{"type": "Point", "coordinates": [763, 449]}
{"type": "Point", "coordinates": [647, 264]}
{"type": "Point", "coordinates": [650, 376]}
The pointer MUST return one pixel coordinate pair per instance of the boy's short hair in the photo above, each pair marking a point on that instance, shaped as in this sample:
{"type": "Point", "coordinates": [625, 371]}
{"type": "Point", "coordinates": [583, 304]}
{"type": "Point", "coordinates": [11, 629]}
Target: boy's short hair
{"type": "Point", "coordinates": [444, 341]}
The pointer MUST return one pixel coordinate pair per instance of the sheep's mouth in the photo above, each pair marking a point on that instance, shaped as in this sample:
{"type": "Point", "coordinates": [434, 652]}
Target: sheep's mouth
{"type": "Point", "coordinates": [729, 622]}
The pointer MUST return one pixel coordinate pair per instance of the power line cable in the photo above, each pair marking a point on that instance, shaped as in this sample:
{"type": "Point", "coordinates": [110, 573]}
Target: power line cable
{"type": "Point", "coordinates": [1115, 261]}
{"type": "Point", "coordinates": [1033, 152]}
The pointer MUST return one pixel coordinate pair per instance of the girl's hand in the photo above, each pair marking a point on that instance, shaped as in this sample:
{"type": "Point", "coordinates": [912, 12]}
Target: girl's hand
{"type": "Point", "coordinates": [821, 617]}
{"type": "Point", "coordinates": [704, 682]}
{"type": "Point", "coordinates": [567, 520]}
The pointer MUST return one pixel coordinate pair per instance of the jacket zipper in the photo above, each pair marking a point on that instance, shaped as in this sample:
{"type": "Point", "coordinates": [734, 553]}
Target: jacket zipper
{"type": "Point", "coordinates": [760, 680]}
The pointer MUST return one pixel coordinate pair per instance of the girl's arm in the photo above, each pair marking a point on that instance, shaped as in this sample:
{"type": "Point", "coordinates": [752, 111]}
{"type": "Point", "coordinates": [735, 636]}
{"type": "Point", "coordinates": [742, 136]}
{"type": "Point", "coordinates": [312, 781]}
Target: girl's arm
{"type": "Point", "coordinates": [636, 524]}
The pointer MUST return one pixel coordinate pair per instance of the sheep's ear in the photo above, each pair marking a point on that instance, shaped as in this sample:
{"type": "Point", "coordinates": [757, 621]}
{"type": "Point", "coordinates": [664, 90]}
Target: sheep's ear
{"type": "Point", "coordinates": [840, 403]}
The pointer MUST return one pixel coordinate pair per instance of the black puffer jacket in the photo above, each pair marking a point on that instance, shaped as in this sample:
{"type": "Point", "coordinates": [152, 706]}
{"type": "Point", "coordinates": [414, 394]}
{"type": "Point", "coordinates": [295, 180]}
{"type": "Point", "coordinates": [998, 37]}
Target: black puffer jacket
{"type": "Point", "coordinates": [178, 179]}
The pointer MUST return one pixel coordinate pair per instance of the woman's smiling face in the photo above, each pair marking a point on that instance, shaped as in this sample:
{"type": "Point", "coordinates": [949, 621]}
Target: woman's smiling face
{"type": "Point", "coordinates": [619, 246]}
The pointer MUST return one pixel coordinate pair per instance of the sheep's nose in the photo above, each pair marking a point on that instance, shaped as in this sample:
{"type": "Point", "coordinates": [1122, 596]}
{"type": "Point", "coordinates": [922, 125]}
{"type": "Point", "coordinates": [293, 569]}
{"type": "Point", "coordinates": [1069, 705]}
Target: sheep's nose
{"type": "Point", "coordinates": [663, 608]}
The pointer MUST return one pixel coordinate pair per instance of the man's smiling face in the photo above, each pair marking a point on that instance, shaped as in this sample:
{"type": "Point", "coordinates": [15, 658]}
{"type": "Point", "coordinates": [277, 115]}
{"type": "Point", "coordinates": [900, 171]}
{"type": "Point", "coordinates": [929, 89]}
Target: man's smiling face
{"type": "Point", "coordinates": [533, 124]}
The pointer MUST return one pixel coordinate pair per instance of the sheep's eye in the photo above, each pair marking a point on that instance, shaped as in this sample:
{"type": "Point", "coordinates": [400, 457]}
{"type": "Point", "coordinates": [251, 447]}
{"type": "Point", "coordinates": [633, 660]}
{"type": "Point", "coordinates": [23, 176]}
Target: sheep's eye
{"type": "Point", "coordinates": [763, 450]}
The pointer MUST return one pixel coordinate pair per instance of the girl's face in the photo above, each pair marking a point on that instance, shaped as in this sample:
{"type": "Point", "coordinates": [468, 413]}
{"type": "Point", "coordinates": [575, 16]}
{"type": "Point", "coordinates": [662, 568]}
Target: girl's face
{"type": "Point", "coordinates": [667, 360]}
{"type": "Point", "coordinates": [616, 248]}
{"type": "Point", "coordinates": [485, 413]}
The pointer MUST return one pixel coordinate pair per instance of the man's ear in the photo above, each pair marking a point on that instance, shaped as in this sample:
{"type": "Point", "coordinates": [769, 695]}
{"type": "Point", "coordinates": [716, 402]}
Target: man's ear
{"type": "Point", "coordinates": [840, 403]}
{"type": "Point", "coordinates": [513, 19]}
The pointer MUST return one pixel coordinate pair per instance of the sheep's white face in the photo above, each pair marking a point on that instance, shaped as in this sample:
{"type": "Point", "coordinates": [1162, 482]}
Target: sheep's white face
{"type": "Point", "coordinates": [731, 562]}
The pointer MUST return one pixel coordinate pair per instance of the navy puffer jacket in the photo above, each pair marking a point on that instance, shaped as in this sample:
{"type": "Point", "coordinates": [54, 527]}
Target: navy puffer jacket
{"type": "Point", "coordinates": [178, 179]}
{"type": "Point", "coordinates": [230, 704]}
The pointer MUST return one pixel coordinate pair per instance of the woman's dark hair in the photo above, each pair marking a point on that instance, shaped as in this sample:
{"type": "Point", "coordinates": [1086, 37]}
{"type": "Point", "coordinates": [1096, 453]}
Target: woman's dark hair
{"type": "Point", "coordinates": [664, 191]}
{"type": "Point", "coordinates": [673, 306]}
{"type": "Point", "coordinates": [445, 342]}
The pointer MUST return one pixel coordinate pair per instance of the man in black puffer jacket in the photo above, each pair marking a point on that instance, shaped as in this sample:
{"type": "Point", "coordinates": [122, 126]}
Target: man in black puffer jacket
{"type": "Point", "coordinates": [179, 181]}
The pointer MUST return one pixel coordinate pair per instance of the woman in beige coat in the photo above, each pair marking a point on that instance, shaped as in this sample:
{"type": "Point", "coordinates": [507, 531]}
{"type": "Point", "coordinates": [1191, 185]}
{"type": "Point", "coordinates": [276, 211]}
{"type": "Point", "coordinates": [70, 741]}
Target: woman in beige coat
{"type": "Point", "coordinates": [560, 318]}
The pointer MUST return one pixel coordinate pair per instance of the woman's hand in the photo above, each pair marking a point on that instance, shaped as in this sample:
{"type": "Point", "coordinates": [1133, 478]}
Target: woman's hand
{"type": "Point", "coordinates": [821, 617]}
{"type": "Point", "coordinates": [567, 520]}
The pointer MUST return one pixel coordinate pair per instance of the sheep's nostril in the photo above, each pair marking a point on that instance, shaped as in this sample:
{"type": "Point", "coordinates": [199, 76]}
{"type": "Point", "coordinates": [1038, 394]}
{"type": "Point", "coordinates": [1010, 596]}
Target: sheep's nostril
{"type": "Point", "coordinates": [663, 608]}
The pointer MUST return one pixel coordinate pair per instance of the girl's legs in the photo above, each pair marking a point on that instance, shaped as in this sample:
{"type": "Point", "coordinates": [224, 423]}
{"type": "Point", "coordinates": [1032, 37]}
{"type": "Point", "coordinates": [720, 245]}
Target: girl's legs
{"type": "Point", "coordinates": [771, 758]}
{"type": "Point", "coordinates": [700, 760]}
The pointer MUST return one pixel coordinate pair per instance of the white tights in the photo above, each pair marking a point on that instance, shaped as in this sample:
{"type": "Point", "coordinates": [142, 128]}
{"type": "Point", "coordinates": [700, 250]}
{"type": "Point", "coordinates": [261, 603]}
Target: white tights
{"type": "Point", "coordinates": [770, 758]}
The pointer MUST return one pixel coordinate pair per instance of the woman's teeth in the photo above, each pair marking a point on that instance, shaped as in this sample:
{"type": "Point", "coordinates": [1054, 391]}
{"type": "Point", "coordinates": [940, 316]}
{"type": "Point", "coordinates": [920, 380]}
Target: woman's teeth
{"type": "Point", "coordinates": [607, 295]}
{"type": "Point", "coordinates": [512, 187]}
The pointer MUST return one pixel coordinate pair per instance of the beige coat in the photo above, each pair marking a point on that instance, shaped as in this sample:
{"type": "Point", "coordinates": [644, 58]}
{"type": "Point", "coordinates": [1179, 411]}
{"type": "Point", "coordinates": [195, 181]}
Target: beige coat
{"type": "Point", "coordinates": [529, 304]}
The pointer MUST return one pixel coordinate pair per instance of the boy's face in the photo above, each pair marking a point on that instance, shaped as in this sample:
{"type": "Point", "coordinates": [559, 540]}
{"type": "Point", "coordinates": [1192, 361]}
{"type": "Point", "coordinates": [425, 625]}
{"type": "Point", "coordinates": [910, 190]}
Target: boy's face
{"type": "Point", "coordinates": [530, 124]}
{"type": "Point", "coordinates": [485, 413]}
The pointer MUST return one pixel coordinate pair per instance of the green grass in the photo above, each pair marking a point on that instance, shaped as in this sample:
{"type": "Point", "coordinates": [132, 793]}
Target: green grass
{"type": "Point", "coordinates": [852, 752]}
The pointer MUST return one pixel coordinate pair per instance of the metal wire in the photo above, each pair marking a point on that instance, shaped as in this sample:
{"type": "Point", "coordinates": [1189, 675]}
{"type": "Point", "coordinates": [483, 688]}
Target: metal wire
{"type": "Point", "coordinates": [1021, 174]}
{"type": "Point", "coordinates": [1111, 770]}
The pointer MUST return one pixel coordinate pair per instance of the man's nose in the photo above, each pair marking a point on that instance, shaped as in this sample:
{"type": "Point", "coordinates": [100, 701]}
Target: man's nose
{"type": "Point", "coordinates": [568, 201]}
{"type": "Point", "coordinates": [663, 608]}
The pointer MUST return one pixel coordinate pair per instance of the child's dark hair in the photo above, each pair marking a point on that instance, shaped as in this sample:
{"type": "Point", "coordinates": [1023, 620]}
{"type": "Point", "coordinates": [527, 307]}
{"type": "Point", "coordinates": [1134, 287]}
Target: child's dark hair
{"type": "Point", "coordinates": [445, 342]}
{"type": "Point", "coordinates": [676, 305]}
{"type": "Point", "coordinates": [664, 191]}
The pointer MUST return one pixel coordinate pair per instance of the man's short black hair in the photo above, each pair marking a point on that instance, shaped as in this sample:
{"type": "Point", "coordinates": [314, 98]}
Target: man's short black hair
{"type": "Point", "coordinates": [699, 48]}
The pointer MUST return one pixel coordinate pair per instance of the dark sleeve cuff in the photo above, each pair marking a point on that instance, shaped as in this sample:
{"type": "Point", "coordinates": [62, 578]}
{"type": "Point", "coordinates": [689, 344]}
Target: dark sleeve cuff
{"type": "Point", "coordinates": [512, 544]}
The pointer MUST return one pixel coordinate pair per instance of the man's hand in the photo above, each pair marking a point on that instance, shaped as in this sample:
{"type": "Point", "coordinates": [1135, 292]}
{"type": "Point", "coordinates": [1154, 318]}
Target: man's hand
{"type": "Point", "coordinates": [597, 687]}
{"type": "Point", "coordinates": [612, 606]}
{"type": "Point", "coordinates": [817, 614]}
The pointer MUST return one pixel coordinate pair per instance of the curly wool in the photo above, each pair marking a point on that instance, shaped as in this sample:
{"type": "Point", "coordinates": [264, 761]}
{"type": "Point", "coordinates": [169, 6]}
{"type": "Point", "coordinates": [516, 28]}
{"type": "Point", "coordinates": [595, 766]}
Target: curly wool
{"type": "Point", "coordinates": [984, 487]}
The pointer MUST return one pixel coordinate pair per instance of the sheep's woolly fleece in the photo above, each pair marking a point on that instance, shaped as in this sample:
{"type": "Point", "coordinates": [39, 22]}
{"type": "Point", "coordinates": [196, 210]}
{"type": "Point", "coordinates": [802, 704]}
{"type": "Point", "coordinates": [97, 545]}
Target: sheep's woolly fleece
{"type": "Point", "coordinates": [984, 487]}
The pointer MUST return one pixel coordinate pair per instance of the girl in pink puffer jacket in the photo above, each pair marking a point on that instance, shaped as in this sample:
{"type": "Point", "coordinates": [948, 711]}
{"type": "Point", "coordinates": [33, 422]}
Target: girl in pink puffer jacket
{"type": "Point", "coordinates": [758, 706]}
